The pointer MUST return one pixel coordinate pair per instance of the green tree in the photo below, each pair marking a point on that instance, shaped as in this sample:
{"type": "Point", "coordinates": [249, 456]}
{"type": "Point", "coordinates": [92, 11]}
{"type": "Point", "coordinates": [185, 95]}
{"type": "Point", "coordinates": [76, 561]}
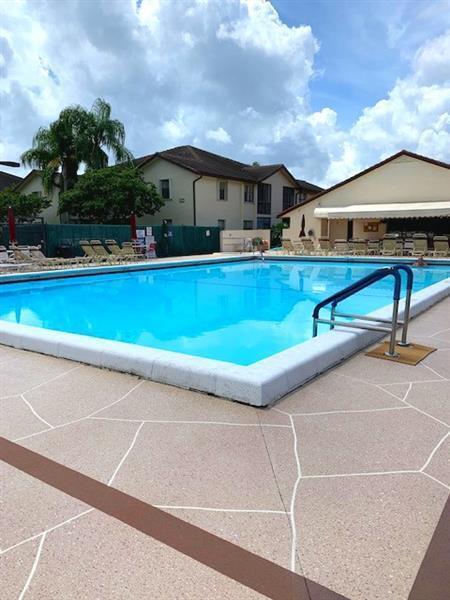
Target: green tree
{"type": "Point", "coordinates": [110, 196]}
{"type": "Point", "coordinates": [77, 137]}
{"type": "Point", "coordinates": [25, 206]}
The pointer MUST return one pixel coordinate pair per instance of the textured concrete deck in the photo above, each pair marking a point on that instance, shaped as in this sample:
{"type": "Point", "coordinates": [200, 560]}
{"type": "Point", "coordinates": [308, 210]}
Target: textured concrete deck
{"type": "Point", "coordinates": [343, 481]}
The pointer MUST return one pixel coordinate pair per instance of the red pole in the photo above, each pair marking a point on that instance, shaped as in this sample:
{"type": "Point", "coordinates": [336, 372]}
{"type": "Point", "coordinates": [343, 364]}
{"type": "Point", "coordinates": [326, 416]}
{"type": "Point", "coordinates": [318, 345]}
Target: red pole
{"type": "Point", "coordinates": [11, 225]}
{"type": "Point", "coordinates": [133, 226]}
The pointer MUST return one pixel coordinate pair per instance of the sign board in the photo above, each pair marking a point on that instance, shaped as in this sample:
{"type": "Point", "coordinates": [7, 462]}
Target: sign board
{"type": "Point", "coordinates": [140, 233]}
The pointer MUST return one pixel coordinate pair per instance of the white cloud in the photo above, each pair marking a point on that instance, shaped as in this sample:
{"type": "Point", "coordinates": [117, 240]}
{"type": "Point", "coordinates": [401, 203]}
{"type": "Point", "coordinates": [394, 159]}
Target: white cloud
{"type": "Point", "coordinates": [219, 135]}
{"type": "Point", "coordinates": [216, 74]}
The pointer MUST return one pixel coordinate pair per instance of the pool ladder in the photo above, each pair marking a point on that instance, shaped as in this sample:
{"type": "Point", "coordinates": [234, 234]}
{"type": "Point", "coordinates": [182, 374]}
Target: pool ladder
{"type": "Point", "coordinates": [360, 285]}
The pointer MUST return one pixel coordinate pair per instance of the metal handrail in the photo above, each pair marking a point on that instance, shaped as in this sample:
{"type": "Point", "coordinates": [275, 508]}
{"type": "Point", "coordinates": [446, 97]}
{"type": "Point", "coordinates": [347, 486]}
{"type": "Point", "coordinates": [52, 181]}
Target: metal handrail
{"type": "Point", "coordinates": [377, 275]}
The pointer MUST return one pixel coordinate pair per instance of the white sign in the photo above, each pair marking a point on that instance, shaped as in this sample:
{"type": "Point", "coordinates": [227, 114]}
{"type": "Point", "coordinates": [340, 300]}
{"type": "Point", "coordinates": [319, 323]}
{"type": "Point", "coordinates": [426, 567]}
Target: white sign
{"type": "Point", "coordinates": [140, 233]}
{"type": "Point", "coordinates": [148, 231]}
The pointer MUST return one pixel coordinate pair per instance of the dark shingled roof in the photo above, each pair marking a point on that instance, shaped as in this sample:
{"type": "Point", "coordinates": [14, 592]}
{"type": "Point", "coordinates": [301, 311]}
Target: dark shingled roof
{"type": "Point", "coordinates": [310, 187]}
{"type": "Point", "coordinates": [7, 180]}
{"type": "Point", "coordinates": [207, 163]}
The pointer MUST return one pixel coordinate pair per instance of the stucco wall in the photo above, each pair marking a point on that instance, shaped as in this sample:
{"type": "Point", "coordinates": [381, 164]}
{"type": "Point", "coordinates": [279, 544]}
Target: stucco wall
{"type": "Point", "coordinates": [405, 179]}
{"type": "Point", "coordinates": [34, 184]}
{"type": "Point", "coordinates": [210, 209]}
{"type": "Point", "coordinates": [311, 222]}
{"type": "Point", "coordinates": [233, 240]}
{"type": "Point", "coordinates": [278, 180]}
{"type": "Point", "coordinates": [180, 206]}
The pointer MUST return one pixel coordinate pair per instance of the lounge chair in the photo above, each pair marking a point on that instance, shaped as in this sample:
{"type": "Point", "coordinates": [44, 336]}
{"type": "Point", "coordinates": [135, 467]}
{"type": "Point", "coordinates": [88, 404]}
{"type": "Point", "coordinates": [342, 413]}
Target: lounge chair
{"type": "Point", "coordinates": [117, 251]}
{"type": "Point", "coordinates": [288, 247]}
{"type": "Point", "coordinates": [308, 245]}
{"type": "Point", "coordinates": [359, 247]}
{"type": "Point", "coordinates": [373, 247]}
{"type": "Point", "coordinates": [389, 246]}
{"type": "Point", "coordinates": [4, 256]}
{"type": "Point", "coordinates": [39, 257]}
{"type": "Point", "coordinates": [399, 245]}
{"type": "Point", "coordinates": [89, 252]}
{"type": "Point", "coordinates": [420, 244]}
{"type": "Point", "coordinates": [440, 245]}
{"type": "Point", "coordinates": [298, 247]}
{"type": "Point", "coordinates": [324, 246]}
{"type": "Point", "coordinates": [129, 249]}
{"type": "Point", "coordinates": [342, 247]}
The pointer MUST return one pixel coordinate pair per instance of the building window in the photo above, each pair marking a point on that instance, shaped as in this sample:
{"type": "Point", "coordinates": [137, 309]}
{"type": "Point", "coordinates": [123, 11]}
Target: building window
{"type": "Point", "coordinates": [248, 193]}
{"type": "Point", "coordinates": [223, 190]}
{"type": "Point", "coordinates": [288, 197]}
{"type": "Point", "coordinates": [286, 221]}
{"type": "Point", "coordinates": [221, 223]}
{"type": "Point", "coordinates": [263, 223]}
{"type": "Point", "coordinates": [264, 199]}
{"type": "Point", "coordinates": [301, 196]}
{"type": "Point", "coordinates": [164, 188]}
{"type": "Point", "coordinates": [248, 224]}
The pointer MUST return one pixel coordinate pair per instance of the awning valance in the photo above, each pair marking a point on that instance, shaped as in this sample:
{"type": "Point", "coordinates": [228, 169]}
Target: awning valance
{"type": "Point", "coordinates": [385, 211]}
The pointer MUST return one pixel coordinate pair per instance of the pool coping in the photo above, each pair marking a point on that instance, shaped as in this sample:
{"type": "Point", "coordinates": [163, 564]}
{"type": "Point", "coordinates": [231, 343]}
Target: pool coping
{"type": "Point", "coordinates": [259, 384]}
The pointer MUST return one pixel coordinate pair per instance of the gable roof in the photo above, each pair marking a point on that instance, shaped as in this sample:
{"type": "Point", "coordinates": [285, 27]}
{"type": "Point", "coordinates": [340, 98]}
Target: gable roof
{"type": "Point", "coordinates": [207, 163]}
{"type": "Point", "coordinates": [8, 179]}
{"type": "Point", "coordinates": [27, 177]}
{"type": "Point", "coordinates": [310, 187]}
{"type": "Point", "coordinates": [432, 161]}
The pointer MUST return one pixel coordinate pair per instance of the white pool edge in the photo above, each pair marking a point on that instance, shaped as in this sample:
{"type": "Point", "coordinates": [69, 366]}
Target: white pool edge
{"type": "Point", "coordinates": [259, 384]}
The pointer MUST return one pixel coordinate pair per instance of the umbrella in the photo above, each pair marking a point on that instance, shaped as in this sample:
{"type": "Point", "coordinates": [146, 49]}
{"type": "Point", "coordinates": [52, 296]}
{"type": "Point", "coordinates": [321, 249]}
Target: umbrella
{"type": "Point", "coordinates": [133, 226]}
{"type": "Point", "coordinates": [11, 226]}
{"type": "Point", "coordinates": [302, 231]}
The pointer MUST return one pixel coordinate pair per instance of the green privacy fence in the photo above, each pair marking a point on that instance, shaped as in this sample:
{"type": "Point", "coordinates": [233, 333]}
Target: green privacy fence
{"type": "Point", "coordinates": [27, 234]}
{"type": "Point", "coordinates": [176, 240]}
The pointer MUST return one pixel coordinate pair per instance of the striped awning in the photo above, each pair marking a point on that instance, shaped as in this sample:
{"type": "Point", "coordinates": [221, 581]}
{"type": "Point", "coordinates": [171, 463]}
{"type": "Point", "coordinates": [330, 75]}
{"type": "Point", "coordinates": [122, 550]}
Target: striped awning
{"type": "Point", "coordinates": [385, 211]}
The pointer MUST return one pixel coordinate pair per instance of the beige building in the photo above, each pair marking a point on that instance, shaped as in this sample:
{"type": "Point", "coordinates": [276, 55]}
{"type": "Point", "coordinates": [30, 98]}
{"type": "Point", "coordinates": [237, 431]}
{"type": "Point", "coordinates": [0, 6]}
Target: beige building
{"type": "Point", "coordinates": [406, 192]}
{"type": "Point", "coordinates": [202, 188]}
{"type": "Point", "coordinates": [32, 184]}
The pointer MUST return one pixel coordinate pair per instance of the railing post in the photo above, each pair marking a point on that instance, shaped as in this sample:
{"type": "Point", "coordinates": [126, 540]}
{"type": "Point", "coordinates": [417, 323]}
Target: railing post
{"type": "Point", "coordinates": [314, 327]}
{"type": "Point", "coordinates": [409, 285]}
{"type": "Point", "coordinates": [391, 352]}
{"type": "Point", "coordinates": [333, 318]}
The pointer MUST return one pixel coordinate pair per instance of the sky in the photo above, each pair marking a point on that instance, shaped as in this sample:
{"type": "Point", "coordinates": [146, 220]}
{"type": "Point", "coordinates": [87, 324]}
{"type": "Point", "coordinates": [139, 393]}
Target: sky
{"type": "Point", "coordinates": [327, 87]}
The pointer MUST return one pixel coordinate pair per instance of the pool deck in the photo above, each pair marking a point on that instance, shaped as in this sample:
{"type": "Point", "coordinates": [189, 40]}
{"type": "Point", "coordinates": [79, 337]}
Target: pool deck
{"type": "Point", "coordinates": [343, 480]}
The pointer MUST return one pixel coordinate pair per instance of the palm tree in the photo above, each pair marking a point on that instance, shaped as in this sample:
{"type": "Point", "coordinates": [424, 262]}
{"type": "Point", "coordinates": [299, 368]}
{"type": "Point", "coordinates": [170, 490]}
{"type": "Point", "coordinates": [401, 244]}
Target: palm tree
{"type": "Point", "coordinates": [77, 137]}
{"type": "Point", "coordinates": [105, 132]}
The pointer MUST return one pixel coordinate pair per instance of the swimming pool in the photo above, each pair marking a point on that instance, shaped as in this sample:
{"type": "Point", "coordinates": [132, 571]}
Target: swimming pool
{"type": "Point", "coordinates": [238, 328]}
{"type": "Point", "coordinates": [237, 312]}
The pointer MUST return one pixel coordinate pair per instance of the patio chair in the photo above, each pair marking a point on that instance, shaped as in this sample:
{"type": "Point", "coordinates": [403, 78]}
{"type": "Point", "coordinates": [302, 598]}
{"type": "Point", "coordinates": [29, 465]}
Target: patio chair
{"type": "Point", "coordinates": [399, 245]}
{"type": "Point", "coordinates": [324, 246]}
{"type": "Point", "coordinates": [298, 247]}
{"type": "Point", "coordinates": [4, 256]}
{"type": "Point", "coordinates": [408, 247]}
{"type": "Point", "coordinates": [440, 245]}
{"type": "Point", "coordinates": [130, 250]}
{"type": "Point", "coordinates": [116, 250]}
{"type": "Point", "coordinates": [389, 246]}
{"type": "Point", "coordinates": [308, 245]}
{"type": "Point", "coordinates": [342, 247]}
{"type": "Point", "coordinates": [39, 257]}
{"type": "Point", "coordinates": [89, 252]}
{"type": "Point", "coordinates": [373, 247]}
{"type": "Point", "coordinates": [359, 247]}
{"type": "Point", "coordinates": [287, 246]}
{"type": "Point", "coordinates": [420, 244]}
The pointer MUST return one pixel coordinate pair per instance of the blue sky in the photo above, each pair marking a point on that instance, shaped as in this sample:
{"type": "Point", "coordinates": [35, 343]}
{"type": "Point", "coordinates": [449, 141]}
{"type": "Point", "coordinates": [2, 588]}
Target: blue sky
{"type": "Point", "coordinates": [326, 87]}
{"type": "Point", "coordinates": [364, 46]}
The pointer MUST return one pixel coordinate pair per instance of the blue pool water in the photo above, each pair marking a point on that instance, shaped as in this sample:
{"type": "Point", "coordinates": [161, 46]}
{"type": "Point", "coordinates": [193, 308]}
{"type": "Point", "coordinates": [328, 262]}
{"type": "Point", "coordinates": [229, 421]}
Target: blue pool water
{"type": "Point", "coordinates": [239, 312]}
